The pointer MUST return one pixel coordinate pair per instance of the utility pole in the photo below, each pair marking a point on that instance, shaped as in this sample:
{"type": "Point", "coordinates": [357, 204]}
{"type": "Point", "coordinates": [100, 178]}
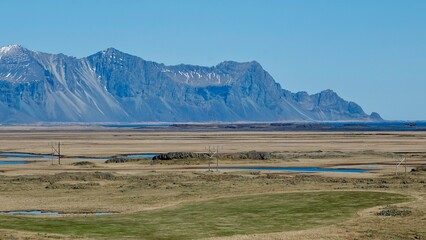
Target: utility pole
{"type": "Point", "coordinates": [57, 150]}
{"type": "Point", "coordinates": [209, 157]}
{"type": "Point", "coordinates": [404, 160]}
{"type": "Point", "coordinates": [217, 158]}
{"type": "Point", "coordinates": [59, 153]}
{"type": "Point", "coordinates": [405, 166]}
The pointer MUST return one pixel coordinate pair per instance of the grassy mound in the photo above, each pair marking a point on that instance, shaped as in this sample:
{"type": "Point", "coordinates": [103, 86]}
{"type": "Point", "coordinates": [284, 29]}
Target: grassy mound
{"type": "Point", "coordinates": [84, 164]}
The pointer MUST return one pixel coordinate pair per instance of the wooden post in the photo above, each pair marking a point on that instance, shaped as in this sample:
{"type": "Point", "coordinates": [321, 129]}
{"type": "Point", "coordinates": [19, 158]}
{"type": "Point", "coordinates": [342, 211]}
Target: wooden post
{"type": "Point", "coordinates": [396, 168]}
{"type": "Point", "coordinates": [59, 153]}
{"type": "Point", "coordinates": [217, 158]}
{"type": "Point", "coordinates": [398, 164]}
{"type": "Point", "coordinates": [209, 158]}
{"type": "Point", "coordinates": [405, 165]}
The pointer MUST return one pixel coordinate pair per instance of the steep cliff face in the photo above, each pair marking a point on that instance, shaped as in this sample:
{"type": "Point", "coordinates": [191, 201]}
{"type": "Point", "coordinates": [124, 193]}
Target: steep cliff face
{"type": "Point", "coordinates": [328, 106]}
{"type": "Point", "coordinates": [111, 86]}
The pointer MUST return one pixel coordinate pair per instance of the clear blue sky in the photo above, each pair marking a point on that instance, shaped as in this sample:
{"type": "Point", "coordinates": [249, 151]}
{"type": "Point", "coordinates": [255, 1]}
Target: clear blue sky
{"type": "Point", "coordinates": [369, 51]}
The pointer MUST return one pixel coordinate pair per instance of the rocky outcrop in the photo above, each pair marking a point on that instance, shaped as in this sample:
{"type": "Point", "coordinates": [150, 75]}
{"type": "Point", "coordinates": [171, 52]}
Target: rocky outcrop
{"type": "Point", "coordinates": [393, 212]}
{"type": "Point", "coordinates": [180, 155]}
{"type": "Point", "coordinates": [254, 155]}
{"type": "Point", "coordinates": [190, 155]}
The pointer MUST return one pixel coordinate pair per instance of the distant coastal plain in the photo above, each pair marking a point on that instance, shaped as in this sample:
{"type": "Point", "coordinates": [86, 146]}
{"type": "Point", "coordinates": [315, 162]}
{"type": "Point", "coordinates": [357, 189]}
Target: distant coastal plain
{"type": "Point", "coordinates": [158, 199]}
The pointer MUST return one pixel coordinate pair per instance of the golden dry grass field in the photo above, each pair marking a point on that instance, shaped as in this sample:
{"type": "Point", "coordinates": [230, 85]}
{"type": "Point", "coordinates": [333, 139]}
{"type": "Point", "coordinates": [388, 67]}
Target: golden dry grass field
{"type": "Point", "coordinates": [172, 194]}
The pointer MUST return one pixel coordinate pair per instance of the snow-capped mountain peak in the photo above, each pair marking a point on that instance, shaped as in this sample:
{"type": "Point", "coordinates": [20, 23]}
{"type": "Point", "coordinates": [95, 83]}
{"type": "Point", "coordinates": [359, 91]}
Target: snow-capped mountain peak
{"type": "Point", "coordinates": [10, 48]}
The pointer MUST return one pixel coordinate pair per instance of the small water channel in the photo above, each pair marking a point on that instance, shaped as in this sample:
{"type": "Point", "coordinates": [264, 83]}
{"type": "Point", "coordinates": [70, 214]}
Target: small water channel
{"type": "Point", "coordinates": [133, 156]}
{"type": "Point", "coordinates": [130, 156]}
{"type": "Point", "coordinates": [25, 155]}
{"type": "Point", "coordinates": [19, 156]}
{"type": "Point", "coordinates": [297, 169]}
{"type": "Point", "coordinates": [13, 162]}
{"type": "Point", "coordinates": [34, 212]}
{"type": "Point", "coordinates": [38, 212]}
{"type": "Point", "coordinates": [12, 155]}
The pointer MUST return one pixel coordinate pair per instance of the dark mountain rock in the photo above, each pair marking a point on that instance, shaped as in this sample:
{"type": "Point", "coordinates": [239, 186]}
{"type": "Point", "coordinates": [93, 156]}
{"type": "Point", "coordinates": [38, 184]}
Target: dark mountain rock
{"type": "Point", "coordinates": [111, 86]}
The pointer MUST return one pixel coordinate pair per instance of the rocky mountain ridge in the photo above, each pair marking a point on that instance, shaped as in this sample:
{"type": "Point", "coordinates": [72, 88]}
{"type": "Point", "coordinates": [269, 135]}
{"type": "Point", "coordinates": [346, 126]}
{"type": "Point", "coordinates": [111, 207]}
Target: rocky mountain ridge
{"type": "Point", "coordinates": [112, 86]}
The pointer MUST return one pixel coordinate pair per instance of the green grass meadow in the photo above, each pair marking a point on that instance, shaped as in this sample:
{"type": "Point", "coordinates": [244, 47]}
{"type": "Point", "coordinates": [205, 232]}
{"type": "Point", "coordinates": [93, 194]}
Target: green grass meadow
{"type": "Point", "coordinates": [219, 217]}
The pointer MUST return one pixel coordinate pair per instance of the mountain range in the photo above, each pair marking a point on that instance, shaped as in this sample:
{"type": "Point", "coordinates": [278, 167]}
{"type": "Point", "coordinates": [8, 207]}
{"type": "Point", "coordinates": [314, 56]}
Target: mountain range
{"type": "Point", "coordinates": [112, 86]}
